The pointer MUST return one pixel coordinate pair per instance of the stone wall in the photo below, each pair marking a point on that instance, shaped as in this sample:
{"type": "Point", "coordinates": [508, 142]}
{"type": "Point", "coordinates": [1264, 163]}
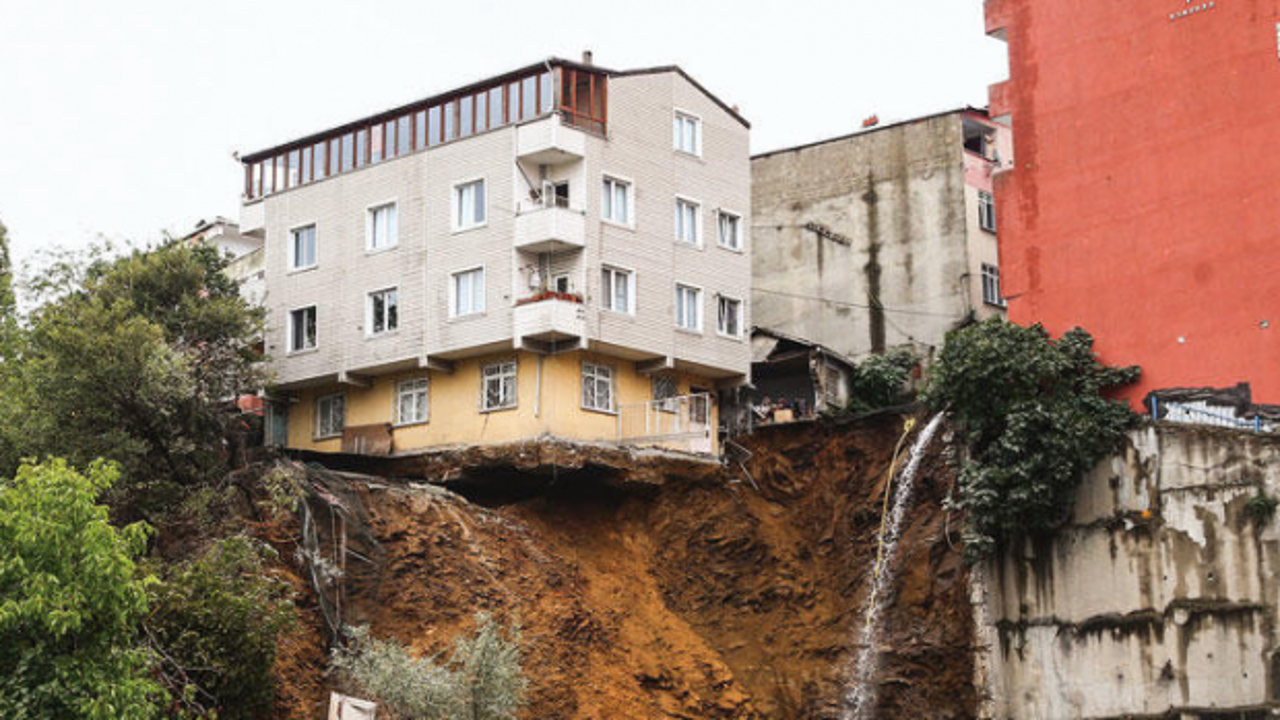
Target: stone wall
{"type": "Point", "coordinates": [1157, 599]}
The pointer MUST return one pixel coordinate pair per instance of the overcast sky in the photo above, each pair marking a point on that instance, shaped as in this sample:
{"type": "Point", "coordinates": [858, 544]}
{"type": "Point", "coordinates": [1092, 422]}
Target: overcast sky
{"type": "Point", "coordinates": [119, 118]}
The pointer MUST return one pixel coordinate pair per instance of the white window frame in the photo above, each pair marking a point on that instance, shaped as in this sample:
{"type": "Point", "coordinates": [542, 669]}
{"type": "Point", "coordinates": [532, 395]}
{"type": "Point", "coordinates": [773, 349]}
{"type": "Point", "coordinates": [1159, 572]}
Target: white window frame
{"type": "Point", "coordinates": [678, 120]}
{"type": "Point", "coordinates": [293, 251]}
{"type": "Point", "coordinates": [318, 428]}
{"type": "Point", "coordinates": [742, 314]}
{"type": "Point", "coordinates": [453, 292]}
{"type": "Point", "coordinates": [991, 278]}
{"type": "Point", "coordinates": [987, 210]}
{"type": "Point", "coordinates": [676, 308]}
{"type": "Point", "coordinates": [455, 205]}
{"type": "Point", "coordinates": [606, 299]}
{"type": "Point", "coordinates": [410, 386]}
{"type": "Point", "coordinates": [609, 217]}
{"type": "Point", "coordinates": [502, 376]}
{"type": "Point", "coordinates": [370, 224]}
{"type": "Point", "coordinates": [739, 237]}
{"type": "Point", "coordinates": [667, 403]}
{"type": "Point", "coordinates": [685, 200]}
{"type": "Point", "coordinates": [598, 373]}
{"type": "Point", "coordinates": [289, 330]}
{"type": "Point", "coordinates": [369, 330]}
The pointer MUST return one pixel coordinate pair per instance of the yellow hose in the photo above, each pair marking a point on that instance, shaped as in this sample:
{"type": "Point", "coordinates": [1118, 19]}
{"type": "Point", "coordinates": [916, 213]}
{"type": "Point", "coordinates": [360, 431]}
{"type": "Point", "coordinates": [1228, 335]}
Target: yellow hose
{"type": "Point", "coordinates": [907, 426]}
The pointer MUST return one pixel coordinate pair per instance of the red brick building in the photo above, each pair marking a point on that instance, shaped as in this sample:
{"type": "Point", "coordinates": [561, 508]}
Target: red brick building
{"type": "Point", "coordinates": [1145, 202]}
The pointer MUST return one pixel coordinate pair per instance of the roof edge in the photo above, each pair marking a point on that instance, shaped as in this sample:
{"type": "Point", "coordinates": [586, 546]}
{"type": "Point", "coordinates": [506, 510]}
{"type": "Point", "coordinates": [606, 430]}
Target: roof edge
{"type": "Point", "coordinates": [872, 130]}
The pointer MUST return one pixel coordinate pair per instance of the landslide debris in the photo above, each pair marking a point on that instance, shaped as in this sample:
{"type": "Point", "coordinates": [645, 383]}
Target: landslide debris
{"type": "Point", "coordinates": [696, 597]}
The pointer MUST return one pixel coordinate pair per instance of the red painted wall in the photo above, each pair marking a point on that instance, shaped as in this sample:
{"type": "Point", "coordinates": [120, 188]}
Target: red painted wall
{"type": "Point", "coordinates": [1145, 202]}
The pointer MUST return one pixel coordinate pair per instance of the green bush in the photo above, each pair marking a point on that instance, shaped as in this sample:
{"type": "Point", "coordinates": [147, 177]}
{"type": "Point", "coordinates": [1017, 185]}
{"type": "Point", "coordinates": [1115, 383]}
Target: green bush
{"type": "Point", "coordinates": [215, 626]}
{"type": "Point", "coordinates": [1261, 508]}
{"type": "Point", "coordinates": [881, 380]}
{"type": "Point", "coordinates": [70, 600]}
{"type": "Point", "coordinates": [482, 680]}
{"type": "Point", "coordinates": [1035, 417]}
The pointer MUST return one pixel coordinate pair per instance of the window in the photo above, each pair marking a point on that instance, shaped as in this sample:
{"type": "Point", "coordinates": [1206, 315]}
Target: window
{"type": "Point", "coordinates": [331, 416]}
{"type": "Point", "coordinates": [302, 248]}
{"type": "Point", "coordinates": [498, 388]}
{"type": "Point", "coordinates": [467, 297]}
{"type": "Point", "coordinates": [617, 289]}
{"type": "Point", "coordinates": [560, 283]}
{"type": "Point", "coordinates": [320, 157]}
{"type": "Point", "coordinates": [687, 133]}
{"type": "Point", "coordinates": [689, 308]}
{"type": "Point", "coordinates": [411, 401]}
{"type": "Point", "coordinates": [688, 221]}
{"type": "Point", "coordinates": [362, 148]}
{"type": "Point", "coordinates": [404, 137]}
{"type": "Point", "coordinates": [729, 230]}
{"type": "Point", "coordinates": [665, 389]}
{"type": "Point", "coordinates": [597, 387]}
{"type": "Point", "coordinates": [382, 227]}
{"type": "Point", "coordinates": [729, 316]}
{"type": "Point", "coordinates": [302, 329]}
{"type": "Point", "coordinates": [348, 152]}
{"type": "Point", "coordinates": [306, 165]}
{"type": "Point", "coordinates": [991, 285]}
{"type": "Point", "coordinates": [986, 211]}
{"type": "Point", "coordinates": [616, 198]}
{"type": "Point", "coordinates": [383, 311]}
{"type": "Point", "coordinates": [495, 107]}
{"type": "Point", "coordinates": [468, 205]}
{"type": "Point", "coordinates": [376, 145]}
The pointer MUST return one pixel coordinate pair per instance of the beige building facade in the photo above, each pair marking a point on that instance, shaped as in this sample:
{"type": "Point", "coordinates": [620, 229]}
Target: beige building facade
{"type": "Point", "coordinates": [882, 239]}
{"type": "Point", "coordinates": [562, 250]}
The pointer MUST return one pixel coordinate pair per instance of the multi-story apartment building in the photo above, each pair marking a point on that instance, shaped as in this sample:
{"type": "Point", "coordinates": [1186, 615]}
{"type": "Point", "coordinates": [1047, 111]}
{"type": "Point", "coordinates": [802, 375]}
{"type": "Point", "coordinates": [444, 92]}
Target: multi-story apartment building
{"type": "Point", "coordinates": [881, 239]}
{"type": "Point", "coordinates": [559, 251]}
{"type": "Point", "coordinates": [1144, 205]}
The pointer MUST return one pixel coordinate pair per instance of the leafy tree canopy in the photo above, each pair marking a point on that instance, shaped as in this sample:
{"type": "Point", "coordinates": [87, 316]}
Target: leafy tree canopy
{"type": "Point", "coordinates": [133, 359]}
{"type": "Point", "coordinates": [70, 600]}
{"type": "Point", "coordinates": [1036, 418]}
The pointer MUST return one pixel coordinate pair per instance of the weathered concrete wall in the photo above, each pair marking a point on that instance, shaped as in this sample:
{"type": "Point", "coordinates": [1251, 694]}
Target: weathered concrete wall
{"type": "Point", "coordinates": [1159, 598]}
{"type": "Point", "coordinates": [896, 194]}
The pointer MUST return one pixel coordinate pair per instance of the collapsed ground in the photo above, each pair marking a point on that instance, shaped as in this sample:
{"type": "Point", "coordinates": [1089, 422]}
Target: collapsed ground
{"type": "Point", "coordinates": [699, 597]}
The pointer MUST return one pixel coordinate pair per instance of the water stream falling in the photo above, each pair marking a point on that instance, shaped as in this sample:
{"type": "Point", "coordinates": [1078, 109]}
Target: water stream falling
{"type": "Point", "coordinates": [858, 702]}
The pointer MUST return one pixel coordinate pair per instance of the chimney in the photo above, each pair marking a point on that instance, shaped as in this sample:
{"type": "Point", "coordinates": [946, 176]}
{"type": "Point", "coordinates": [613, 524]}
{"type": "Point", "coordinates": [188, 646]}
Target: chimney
{"type": "Point", "coordinates": [872, 121]}
{"type": "Point", "coordinates": [588, 57]}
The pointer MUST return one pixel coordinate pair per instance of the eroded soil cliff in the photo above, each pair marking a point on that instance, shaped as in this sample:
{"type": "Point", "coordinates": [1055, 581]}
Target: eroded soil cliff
{"type": "Point", "coordinates": [698, 598]}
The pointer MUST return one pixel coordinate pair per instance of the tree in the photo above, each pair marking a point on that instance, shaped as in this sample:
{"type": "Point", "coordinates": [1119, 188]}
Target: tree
{"type": "Point", "coordinates": [215, 624]}
{"type": "Point", "coordinates": [70, 600]}
{"type": "Point", "coordinates": [8, 301]}
{"type": "Point", "coordinates": [134, 359]}
{"type": "Point", "coordinates": [1035, 417]}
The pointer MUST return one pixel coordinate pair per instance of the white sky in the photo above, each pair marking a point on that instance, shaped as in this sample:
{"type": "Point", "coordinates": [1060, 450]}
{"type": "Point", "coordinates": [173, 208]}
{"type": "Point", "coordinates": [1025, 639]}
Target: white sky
{"type": "Point", "coordinates": [119, 118]}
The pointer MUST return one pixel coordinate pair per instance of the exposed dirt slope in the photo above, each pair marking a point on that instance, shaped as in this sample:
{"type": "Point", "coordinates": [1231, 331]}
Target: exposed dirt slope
{"type": "Point", "coordinates": [701, 599]}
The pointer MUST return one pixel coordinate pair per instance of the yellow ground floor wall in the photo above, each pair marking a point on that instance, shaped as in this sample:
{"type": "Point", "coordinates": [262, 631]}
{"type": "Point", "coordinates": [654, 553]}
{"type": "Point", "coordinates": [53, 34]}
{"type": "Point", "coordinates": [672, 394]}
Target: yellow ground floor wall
{"type": "Point", "coordinates": [550, 404]}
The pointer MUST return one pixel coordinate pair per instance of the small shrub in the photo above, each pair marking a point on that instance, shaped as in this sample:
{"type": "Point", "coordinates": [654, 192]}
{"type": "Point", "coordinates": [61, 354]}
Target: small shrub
{"type": "Point", "coordinates": [215, 625]}
{"type": "Point", "coordinates": [482, 680]}
{"type": "Point", "coordinates": [881, 380]}
{"type": "Point", "coordinates": [285, 486]}
{"type": "Point", "coordinates": [1035, 417]}
{"type": "Point", "coordinates": [1261, 508]}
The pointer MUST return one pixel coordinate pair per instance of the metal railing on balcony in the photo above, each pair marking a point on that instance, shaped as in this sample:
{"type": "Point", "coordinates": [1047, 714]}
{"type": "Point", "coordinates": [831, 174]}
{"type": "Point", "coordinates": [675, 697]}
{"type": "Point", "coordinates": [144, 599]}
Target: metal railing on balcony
{"type": "Point", "coordinates": [683, 422]}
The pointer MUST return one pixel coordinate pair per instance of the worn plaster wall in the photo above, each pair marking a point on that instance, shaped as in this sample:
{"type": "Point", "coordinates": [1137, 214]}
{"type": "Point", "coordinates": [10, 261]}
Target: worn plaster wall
{"type": "Point", "coordinates": [1159, 597]}
{"type": "Point", "coordinates": [896, 195]}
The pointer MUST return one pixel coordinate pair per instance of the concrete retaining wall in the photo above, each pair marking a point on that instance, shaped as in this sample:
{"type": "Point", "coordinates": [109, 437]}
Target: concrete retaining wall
{"type": "Point", "coordinates": [1159, 599]}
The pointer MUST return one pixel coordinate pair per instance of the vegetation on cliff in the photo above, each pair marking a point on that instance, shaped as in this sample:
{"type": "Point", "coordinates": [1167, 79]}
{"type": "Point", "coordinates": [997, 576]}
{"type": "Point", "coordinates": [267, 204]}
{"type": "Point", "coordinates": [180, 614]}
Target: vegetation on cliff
{"type": "Point", "coordinates": [1035, 416]}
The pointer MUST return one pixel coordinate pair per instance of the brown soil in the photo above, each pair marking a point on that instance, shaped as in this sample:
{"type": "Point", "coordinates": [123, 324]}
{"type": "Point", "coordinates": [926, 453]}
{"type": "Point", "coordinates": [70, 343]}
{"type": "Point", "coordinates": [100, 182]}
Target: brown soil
{"type": "Point", "coordinates": [702, 598]}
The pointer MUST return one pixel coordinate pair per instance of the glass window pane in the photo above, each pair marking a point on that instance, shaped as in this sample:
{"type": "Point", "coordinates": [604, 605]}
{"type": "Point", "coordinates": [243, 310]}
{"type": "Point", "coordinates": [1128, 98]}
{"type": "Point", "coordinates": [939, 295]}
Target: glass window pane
{"type": "Point", "coordinates": [495, 107]}
{"type": "Point", "coordinates": [306, 165]}
{"type": "Point", "coordinates": [348, 152]}
{"type": "Point", "coordinates": [295, 165]}
{"type": "Point", "coordinates": [513, 102]}
{"type": "Point", "coordinates": [375, 144]}
{"type": "Point", "coordinates": [420, 130]}
{"type": "Point", "coordinates": [482, 111]}
{"type": "Point", "coordinates": [529, 98]}
{"type": "Point", "coordinates": [548, 93]}
{"type": "Point", "coordinates": [479, 201]}
{"type": "Point", "coordinates": [450, 120]}
{"type": "Point", "coordinates": [467, 118]}
{"type": "Point", "coordinates": [403, 137]}
{"type": "Point", "coordinates": [434, 126]}
{"type": "Point", "coordinates": [362, 147]}
{"type": "Point", "coordinates": [320, 161]}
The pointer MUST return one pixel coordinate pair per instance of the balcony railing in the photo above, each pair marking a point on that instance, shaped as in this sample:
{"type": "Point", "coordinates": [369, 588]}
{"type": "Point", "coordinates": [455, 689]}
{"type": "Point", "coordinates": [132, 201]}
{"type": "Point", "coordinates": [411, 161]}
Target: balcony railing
{"type": "Point", "coordinates": [549, 141]}
{"type": "Point", "coordinates": [550, 229]}
{"type": "Point", "coordinates": [550, 321]}
{"type": "Point", "coordinates": [683, 423]}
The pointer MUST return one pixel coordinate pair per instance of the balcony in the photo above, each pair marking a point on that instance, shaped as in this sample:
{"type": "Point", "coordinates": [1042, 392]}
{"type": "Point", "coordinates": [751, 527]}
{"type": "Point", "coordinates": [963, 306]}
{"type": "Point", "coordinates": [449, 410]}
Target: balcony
{"type": "Point", "coordinates": [550, 321]}
{"type": "Point", "coordinates": [550, 229]}
{"type": "Point", "coordinates": [549, 142]}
